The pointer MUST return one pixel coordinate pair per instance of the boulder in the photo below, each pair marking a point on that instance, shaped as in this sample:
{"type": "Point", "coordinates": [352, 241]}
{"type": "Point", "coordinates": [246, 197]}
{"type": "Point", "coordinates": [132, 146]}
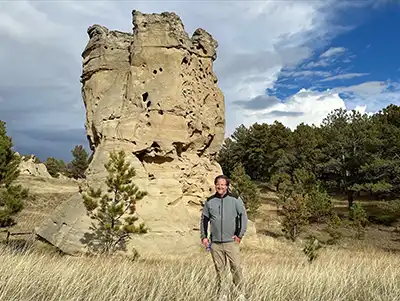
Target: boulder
{"type": "Point", "coordinates": [28, 166]}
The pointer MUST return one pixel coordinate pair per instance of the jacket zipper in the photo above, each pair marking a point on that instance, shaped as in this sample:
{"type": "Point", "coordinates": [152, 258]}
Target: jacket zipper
{"type": "Point", "coordinates": [222, 214]}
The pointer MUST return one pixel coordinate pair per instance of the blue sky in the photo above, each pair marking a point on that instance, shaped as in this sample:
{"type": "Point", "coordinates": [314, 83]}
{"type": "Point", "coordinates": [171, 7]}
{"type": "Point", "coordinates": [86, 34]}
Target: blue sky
{"type": "Point", "coordinates": [366, 53]}
{"type": "Point", "coordinates": [291, 61]}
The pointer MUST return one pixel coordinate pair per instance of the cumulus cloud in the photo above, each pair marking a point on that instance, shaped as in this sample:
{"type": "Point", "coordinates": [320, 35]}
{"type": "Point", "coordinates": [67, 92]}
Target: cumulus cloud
{"type": "Point", "coordinates": [307, 106]}
{"type": "Point", "coordinates": [310, 106]}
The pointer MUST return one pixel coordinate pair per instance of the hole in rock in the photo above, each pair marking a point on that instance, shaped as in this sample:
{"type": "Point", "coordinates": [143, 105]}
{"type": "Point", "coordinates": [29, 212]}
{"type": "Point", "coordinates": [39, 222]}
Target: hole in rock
{"type": "Point", "coordinates": [209, 189]}
{"type": "Point", "coordinates": [217, 105]}
{"type": "Point", "coordinates": [185, 60]}
{"type": "Point", "coordinates": [147, 115]}
{"type": "Point", "coordinates": [148, 104]}
{"type": "Point", "coordinates": [155, 71]}
{"type": "Point", "coordinates": [155, 144]}
{"type": "Point", "coordinates": [148, 124]}
{"type": "Point", "coordinates": [161, 112]}
{"type": "Point", "coordinates": [105, 47]}
{"type": "Point", "coordinates": [145, 95]}
{"type": "Point", "coordinates": [151, 176]}
{"type": "Point", "coordinates": [180, 40]}
{"type": "Point", "coordinates": [160, 69]}
{"type": "Point", "coordinates": [112, 48]}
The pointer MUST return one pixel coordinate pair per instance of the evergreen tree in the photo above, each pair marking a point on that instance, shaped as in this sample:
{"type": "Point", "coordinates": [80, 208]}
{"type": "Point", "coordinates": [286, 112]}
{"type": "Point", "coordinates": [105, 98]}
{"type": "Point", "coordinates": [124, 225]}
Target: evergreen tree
{"type": "Point", "coordinates": [244, 187]}
{"type": "Point", "coordinates": [114, 210]}
{"type": "Point", "coordinates": [11, 196]}
{"type": "Point", "coordinates": [54, 166]}
{"type": "Point", "coordinates": [79, 163]}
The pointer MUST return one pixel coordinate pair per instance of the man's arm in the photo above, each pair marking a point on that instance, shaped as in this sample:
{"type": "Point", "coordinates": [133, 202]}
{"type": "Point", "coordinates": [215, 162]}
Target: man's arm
{"type": "Point", "coordinates": [241, 218]}
{"type": "Point", "coordinates": [205, 218]}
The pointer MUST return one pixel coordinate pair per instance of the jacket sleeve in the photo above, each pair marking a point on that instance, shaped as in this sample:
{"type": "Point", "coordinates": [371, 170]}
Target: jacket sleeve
{"type": "Point", "coordinates": [241, 218]}
{"type": "Point", "coordinates": [205, 218]}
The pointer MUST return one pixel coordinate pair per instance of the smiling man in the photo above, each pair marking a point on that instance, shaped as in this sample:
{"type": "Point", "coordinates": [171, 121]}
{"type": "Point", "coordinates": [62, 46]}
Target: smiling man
{"type": "Point", "coordinates": [228, 219]}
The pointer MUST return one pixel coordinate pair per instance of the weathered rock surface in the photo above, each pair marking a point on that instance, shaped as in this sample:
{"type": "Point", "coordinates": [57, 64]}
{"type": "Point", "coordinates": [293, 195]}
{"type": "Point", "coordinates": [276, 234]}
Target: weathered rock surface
{"type": "Point", "coordinates": [28, 166]}
{"type": "Point", "coordinates": [153, 94]}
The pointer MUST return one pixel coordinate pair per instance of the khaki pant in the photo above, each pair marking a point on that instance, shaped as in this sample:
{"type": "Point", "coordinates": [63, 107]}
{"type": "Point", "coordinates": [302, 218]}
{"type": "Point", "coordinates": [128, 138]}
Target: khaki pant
{"type": "Point", "coordinates": [223, 252]}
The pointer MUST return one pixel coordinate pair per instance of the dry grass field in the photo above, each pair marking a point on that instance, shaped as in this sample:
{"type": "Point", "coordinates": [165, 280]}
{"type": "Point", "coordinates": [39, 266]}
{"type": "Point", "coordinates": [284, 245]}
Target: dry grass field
{"type": "Point", "coordinates": [276, 273]}
{"type": "Point", "coordinates": [275, 270]}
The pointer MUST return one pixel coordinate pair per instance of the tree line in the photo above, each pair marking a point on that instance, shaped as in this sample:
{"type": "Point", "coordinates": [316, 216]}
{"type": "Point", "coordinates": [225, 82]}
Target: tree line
{"type": "Point", "coordinates": [350, 153]}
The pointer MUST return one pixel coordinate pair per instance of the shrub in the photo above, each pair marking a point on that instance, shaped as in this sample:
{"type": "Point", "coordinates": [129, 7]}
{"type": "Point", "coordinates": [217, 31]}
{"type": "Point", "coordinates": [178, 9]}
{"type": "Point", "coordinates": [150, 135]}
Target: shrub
{"type": "Point", "coordinates": [113, 211]}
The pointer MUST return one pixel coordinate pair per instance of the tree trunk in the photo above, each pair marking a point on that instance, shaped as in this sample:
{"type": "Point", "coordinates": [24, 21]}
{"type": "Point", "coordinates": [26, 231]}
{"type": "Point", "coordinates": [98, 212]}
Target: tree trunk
{"type": "Point", "coordinates": [350, 198]}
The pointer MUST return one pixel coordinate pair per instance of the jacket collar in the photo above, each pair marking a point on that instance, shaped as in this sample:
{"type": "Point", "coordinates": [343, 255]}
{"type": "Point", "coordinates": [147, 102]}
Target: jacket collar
{"type": "Point", "coordinates": [221, 196]}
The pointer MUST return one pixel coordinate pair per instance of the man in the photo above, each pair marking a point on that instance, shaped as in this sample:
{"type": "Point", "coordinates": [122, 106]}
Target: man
{"type": "Point", "coordinates": [228, 220]}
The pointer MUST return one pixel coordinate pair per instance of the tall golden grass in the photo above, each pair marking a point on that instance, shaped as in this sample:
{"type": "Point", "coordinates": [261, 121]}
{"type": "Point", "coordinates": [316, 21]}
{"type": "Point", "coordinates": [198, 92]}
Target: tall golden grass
{"type": "Point", "coordinates": [282, 274]}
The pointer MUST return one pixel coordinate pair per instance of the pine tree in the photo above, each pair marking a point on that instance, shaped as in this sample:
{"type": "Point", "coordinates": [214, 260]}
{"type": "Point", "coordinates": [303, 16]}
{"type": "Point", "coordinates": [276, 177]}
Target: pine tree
{"type": "Point", "coordinates": [244, 187]}
{"type": "Point", "coordinates": [11, 196]}
{"type": "Point", "coordinates": [294, 213]}
{"type": "Point", "coordinates": [54, 166]}
{"type": "Point", "coordinates": [79, 164]}
{"type": "Point", "coordinates": [114, 211]}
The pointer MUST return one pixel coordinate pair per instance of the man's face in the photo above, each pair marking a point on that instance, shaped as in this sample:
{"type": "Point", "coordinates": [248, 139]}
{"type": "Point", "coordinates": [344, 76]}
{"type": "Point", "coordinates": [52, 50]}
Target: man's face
{"type": "Point", "coordinates": [221, 186]}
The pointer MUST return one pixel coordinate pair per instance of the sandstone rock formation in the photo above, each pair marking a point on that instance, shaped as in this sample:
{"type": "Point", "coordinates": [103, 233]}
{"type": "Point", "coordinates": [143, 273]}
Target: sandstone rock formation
{"type": "Point", "coordinates": [28, 166]}
{"type": "Point", "coordinates": [153, 94]}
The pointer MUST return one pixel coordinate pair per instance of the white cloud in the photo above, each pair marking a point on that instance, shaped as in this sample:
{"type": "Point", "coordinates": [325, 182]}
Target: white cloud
{"type": "Point", "coordinates": [42, 43]}
{"type": "Point", "coordinates": [333, 51]}
{"type": "Point", "coordinates": [306, 73]}
{"type": "Point", "coordinates": [343, 76]}
{"type": "Point", "coordinates": [311, 107]}
{"type": "Point", "coordinates": [305, 106]}
{"type": "Point", "coordinates": [21, 21]}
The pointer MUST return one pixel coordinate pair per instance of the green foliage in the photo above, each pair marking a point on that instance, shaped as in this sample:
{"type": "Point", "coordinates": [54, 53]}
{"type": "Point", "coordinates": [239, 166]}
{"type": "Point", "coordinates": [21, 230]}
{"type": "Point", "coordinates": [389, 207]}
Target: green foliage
{"type": "Point", "coordinates": [244, 187]}
{"type": "Point", "coordinates": [295, 215]}
{"type": "Point", "coordinates": [11, 203]}
{"type": "Point", "coordinates": [79, 163]}
{"type": "Point", "coordinates": [54, 166]}
{"type": "Point", "coordinates": [389, 213]}
{"type": "Point", "coordinates": [352, 154]}
{"type": "Point", "coordinates": [311, 248]}
{"type": "Point", "coordinates": [332, 228]}
{"type": "Point", "coordinates": [319, 204]}
{"type": "Point", "coordinates": [359, 219]}
{"type": "Point", "coordinates": [11, 195]}
{"type": "Point", "coordinates": [114, 211]}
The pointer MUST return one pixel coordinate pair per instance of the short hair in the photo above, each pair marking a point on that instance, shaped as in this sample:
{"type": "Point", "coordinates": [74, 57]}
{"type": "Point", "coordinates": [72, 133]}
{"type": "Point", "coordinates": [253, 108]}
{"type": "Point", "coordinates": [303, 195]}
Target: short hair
{"type": "Point", "coordinates": [222, 177]}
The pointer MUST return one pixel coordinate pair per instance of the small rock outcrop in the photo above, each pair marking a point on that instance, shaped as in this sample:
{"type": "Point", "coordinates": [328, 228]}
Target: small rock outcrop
{"type": "Point", "coordinates": [153, 94]}
{"type": "Point", "coordinates": [30, 167]}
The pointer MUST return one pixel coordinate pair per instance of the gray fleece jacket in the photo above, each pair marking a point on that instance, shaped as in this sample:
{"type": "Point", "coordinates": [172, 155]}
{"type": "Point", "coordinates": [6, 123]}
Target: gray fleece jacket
{"type": "Point", "coordinates": [227, 217]}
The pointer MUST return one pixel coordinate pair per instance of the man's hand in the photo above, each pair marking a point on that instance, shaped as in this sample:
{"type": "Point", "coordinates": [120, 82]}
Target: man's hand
{"type": "Point", "coordinates": [237, 239]}
{"type": "Point", "coordinates": [205, 242]}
